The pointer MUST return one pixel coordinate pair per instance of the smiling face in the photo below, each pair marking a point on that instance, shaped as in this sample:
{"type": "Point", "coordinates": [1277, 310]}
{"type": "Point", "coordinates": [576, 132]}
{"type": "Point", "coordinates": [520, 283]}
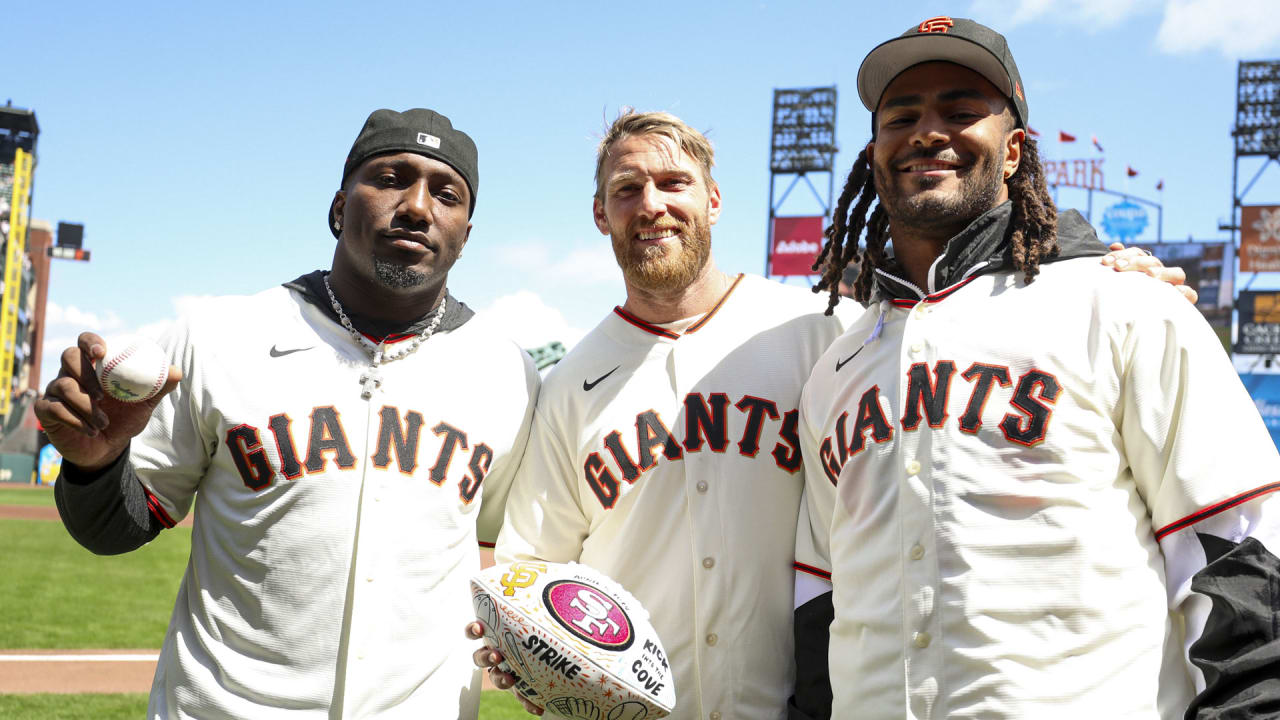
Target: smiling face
{"type": "Point", "coordinates": [945, 143]}
{"type": "Point", "coordinates": [658, 206]}
{"type": "Point", "coordinates": [404, 223]}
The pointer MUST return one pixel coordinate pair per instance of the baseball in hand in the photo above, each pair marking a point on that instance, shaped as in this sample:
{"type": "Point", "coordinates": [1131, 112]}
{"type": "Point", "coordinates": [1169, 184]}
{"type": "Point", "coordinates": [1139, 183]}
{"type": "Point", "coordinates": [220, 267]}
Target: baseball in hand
{"type": "Point", "coordinates": [134, 369]}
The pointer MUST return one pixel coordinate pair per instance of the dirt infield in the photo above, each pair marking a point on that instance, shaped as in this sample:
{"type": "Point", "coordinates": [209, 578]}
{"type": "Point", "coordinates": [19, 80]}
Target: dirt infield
{"type": "Point", "coordinates": [28, 512]}
{"type": "Point", "coordinates": [83, 671]}
{"type": "Point", "coordinates": [77, 671]}
{"type": "Point", "coordinates": [37, 512]}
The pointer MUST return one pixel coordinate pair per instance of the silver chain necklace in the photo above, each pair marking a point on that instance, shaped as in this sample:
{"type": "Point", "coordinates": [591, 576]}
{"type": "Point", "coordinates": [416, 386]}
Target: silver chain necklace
{"type": "Point", "coordinates": [372, 378]}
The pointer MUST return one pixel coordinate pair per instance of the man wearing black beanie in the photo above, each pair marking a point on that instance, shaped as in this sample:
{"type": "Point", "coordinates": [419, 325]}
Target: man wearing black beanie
{"type": "Point", "coordinates": [340, 465]}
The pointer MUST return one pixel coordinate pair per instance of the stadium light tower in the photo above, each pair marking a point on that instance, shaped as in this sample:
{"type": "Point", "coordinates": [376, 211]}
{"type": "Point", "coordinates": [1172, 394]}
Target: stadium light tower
{"type": "Point", "coordinates": [804, 143]}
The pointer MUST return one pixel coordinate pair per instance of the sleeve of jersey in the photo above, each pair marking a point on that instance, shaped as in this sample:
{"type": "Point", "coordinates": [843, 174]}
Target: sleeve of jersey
{"type": "Point", "coordinates": [544, 518]}
{"type": "Point", "coordinates": [108, 511]}
{"type": "Point", "coordinates": [173, 452]}
{"type": "Point", "coordinates": [497, 483]}
{"type": "Point", "coordinates": [813, 601]}
{"type": "Point", "coordinates": [1209, 472]}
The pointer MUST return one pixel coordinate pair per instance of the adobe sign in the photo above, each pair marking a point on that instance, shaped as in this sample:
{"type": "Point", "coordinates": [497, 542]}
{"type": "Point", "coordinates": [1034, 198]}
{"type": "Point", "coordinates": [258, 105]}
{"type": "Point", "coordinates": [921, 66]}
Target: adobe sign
{"type": "Point", "coordinates": [796, 243]}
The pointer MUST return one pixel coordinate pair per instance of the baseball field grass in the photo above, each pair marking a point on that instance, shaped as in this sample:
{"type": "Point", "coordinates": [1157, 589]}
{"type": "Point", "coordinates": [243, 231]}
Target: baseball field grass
{"type": "Point", "coordinates": [57, 595]}
{"type": "Point", "coordinates": [38, 496]}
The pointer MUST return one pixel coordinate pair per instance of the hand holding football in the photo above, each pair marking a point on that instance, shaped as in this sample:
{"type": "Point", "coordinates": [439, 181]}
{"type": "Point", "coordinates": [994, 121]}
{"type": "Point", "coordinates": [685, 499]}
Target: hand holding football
{"type": "Point", "coordinates": [581, 645]}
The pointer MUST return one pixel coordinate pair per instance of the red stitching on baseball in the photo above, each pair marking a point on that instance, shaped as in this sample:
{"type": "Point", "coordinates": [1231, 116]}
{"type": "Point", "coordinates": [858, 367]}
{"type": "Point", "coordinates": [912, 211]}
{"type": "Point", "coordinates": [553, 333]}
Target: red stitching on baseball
{"type": "Point", "coordinates": [110, 365]}
{"type": "Point", "coordinates": [113, 362]}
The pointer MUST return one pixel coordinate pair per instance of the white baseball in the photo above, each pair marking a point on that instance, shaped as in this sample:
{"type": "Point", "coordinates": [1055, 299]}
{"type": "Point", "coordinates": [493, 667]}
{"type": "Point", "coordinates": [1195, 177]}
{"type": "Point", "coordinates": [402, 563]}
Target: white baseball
{"type": "Point", "coordinates": [134, 369]}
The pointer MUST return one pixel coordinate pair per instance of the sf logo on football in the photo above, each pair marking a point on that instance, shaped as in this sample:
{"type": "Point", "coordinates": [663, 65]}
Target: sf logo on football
{"type": "Point", "coordinates": [521, 575]}
{"type": "Point", "coordinates": [595, 613]}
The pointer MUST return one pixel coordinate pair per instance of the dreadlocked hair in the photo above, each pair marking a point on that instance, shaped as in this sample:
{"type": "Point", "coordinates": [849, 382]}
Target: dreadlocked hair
{"type": "Point", "coordinates": [847, 222]}
{"type": "Point", "coordinates": [1033, 227]}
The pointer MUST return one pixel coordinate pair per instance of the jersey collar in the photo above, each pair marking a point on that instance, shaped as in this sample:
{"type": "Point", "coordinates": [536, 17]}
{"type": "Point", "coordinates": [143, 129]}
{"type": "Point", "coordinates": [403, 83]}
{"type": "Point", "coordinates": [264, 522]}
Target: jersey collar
{"type": "Point", "coordinates": [664, 332]}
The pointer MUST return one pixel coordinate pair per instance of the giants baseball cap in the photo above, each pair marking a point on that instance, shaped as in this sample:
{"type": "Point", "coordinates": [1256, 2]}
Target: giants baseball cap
{"type": "Point", "coordinates": [955, 40]}
{"type": "Point", "coordinates": [421, 131]}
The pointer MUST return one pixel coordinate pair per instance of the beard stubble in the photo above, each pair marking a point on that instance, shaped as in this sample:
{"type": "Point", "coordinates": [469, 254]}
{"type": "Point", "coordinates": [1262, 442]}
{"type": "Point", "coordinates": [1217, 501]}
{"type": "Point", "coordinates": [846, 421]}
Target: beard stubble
{"type": "Point", "coordinates": [664, 269]}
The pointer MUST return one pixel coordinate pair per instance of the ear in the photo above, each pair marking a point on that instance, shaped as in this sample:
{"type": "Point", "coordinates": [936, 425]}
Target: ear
{"type": "Point", "coordinates": [597, 210]}
{"type": "Point", "coordinates": [1013, 151]}
{"type": "Point", "coordinates": [871, 153]}
{"type": "Point", "coordinates": [465, 237]}
{"type": "Point", "coordinates": [713, 204]}
{"type": "Point", "coordinates": [336, 208]}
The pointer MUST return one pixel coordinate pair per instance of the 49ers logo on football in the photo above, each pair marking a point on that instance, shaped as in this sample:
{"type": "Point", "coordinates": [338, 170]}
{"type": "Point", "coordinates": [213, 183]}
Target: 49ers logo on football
{"type": "Point", "coordinates": [589, 613]}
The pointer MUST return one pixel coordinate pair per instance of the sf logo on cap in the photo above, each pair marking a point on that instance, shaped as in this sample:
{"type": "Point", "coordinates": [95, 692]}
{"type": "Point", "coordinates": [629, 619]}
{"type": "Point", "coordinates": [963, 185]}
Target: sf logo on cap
{"type": "Point", "coordinates": [430, 141]}
{"type": "Point", "coordinates": [939, 24]}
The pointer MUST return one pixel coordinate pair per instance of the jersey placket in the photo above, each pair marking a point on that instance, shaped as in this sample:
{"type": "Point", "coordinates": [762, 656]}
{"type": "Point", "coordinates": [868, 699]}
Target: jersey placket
{"type": "Point", "coordinates": [921, 653]}
{"type": "Point", "coordinates": [362, 653]}
{"type": "Point", "coordinates": [703, 488]}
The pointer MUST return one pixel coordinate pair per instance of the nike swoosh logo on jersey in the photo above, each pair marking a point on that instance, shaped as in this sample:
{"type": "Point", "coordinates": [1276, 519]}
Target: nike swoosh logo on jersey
{"type": "Point", "coordinates": [842, 363]}
{"type": "Point", "coordinates": [281, 353]}
{"type": "Point", "coordinates": [588, 385]}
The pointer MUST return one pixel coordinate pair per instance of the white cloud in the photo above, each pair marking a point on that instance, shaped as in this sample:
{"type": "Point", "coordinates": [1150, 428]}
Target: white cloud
{"type": "Point", "coordinates": [1235, 28]}
{"type": "Point", "coordinates": [1238, 28]}
{"type": "Point", "coordinates": [72, 316]}
{"type": "Point", "coordinates": [1089, 14]}
{"type": "Point", "coordinates": [594, 265]}
{"type": "Point", "coordinates": [155, 329]}
{"type": "Point", "coordinates": [525, 318]}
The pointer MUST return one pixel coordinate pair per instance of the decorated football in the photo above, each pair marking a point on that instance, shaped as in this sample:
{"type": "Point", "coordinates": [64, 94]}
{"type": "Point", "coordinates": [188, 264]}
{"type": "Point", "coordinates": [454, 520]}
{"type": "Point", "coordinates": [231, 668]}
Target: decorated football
{"type": "Point", "coordinates": [580, 644]}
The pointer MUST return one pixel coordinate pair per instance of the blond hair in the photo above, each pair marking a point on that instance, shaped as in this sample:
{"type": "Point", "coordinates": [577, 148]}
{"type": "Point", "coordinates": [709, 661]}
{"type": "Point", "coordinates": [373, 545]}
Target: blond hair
{"type": "Point", "coordinates": [630, 123]}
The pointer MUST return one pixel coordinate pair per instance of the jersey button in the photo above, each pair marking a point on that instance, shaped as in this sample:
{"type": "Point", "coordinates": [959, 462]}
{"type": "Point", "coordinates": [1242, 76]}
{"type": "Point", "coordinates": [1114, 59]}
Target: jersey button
{"type": "Point", "coordinates": [708, 562]}
{"type": "Point", "coordinates": [917, 348]}
{"type": "Point", "coordinates": [712, 639]}
{"type": "Point", "coordinates": [702, 486]}
{"type": "Point", "coordinates": [917, 551]}
{"type": "Point", "coordinates": [913, 468]}
{"type": "Point", "coordinates": [921, 640]}
{"type": "Point", "coordinates": [715, 715]}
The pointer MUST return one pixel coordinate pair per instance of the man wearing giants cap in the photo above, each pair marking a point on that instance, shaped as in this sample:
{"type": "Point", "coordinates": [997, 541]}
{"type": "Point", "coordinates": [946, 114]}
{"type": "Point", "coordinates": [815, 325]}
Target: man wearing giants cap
{"type": "Point", "coordinates": [343, 440]}
{"type": "Point", "coordinates": [1032, 489]}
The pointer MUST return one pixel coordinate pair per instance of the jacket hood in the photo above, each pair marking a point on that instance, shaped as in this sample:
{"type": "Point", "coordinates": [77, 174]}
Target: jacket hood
{"type": "Point", "coordinates": [984, 247]}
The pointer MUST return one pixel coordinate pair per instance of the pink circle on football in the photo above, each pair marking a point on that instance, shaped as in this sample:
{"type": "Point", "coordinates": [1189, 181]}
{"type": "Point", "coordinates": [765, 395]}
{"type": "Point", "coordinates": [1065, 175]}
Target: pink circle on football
{"type": "Point", "coordinates": [589, 613]}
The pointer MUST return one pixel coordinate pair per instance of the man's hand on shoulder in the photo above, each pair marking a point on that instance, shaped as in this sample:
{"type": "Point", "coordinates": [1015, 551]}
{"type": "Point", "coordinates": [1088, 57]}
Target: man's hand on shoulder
{"type": "Point", "coordinates": [90, 428]}
{"type": "Point", "coordinates": [1136, 259]}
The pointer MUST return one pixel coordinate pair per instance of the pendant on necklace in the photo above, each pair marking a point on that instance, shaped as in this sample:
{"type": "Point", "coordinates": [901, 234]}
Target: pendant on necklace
{"type": "Point", "coordinates": [370, 380]}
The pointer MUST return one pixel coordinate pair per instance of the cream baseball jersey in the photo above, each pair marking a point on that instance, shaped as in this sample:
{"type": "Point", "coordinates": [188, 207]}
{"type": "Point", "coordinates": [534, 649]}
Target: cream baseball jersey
{"type": "Point", "coordinates": [1014, 489]}
{"type": "Point", "coordinates": [667, 458]}
{"type": "Point", "coordinates": [334, 536]}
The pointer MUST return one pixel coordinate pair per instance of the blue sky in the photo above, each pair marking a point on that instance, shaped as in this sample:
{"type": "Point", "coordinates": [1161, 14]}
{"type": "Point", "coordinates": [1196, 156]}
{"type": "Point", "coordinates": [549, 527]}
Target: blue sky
{"type": "Point", "coordinates": [201, 145]}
